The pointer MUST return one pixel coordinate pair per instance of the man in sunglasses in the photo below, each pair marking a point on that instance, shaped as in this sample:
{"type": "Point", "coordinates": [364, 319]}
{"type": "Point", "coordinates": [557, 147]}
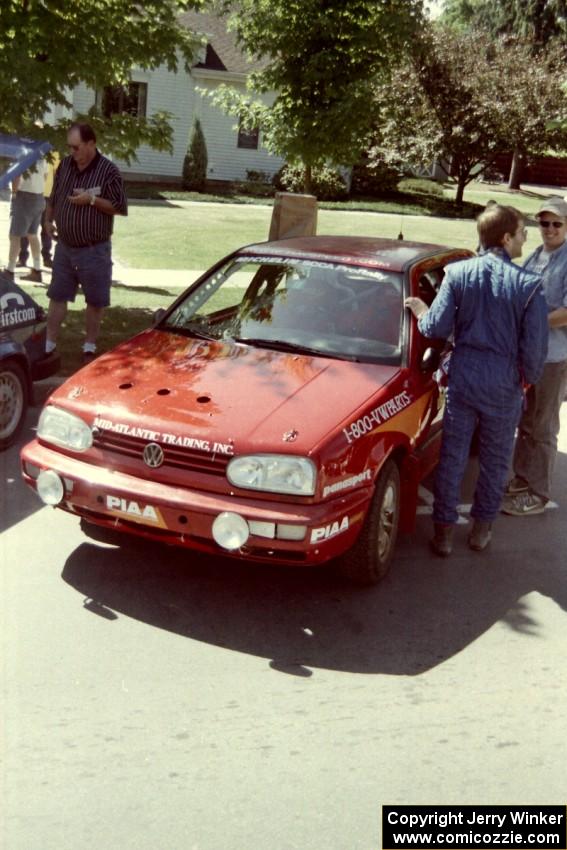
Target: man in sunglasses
{"type": "Point", "coordinates": [536, 443]}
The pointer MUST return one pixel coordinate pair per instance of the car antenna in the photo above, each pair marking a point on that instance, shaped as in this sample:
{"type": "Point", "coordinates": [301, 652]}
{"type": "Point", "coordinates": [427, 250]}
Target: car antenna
{"type": "Point", "coordinates": [401, 233]}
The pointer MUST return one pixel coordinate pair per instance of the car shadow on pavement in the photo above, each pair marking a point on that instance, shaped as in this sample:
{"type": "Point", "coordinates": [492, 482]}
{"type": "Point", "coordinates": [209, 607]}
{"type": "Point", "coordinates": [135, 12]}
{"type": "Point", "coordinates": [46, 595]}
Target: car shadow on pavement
{"type": "Point", "coordinates": [427, 610]}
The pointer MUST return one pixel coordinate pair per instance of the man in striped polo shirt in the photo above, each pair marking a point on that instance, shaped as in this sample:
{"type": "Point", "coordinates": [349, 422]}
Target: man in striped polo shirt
{"type": "Point", "coordinates": [87, 193]}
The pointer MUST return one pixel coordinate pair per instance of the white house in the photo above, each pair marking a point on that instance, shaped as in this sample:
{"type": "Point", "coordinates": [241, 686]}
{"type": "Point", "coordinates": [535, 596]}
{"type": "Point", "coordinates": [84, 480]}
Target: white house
{"type": "Point", "coordinates": [230, 153]}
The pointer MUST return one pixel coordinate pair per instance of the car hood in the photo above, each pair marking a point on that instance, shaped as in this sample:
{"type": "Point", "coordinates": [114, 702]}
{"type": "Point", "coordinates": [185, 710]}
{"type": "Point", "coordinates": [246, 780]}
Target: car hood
{"type": "Point", "coordinates": [164, 386]}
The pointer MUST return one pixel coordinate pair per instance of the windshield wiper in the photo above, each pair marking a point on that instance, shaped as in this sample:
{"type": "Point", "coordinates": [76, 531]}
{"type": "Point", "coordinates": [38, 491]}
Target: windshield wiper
{"type": "Point", "coordinates": [188, 331]}
{"type": "Point", "coordinates": [281, 345]}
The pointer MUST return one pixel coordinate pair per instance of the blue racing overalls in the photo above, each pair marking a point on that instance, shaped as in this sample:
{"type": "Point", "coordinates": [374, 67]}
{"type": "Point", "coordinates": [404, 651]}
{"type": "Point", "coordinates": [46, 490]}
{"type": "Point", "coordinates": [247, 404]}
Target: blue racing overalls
{"type": "Point", "coordinates": [497, 314]}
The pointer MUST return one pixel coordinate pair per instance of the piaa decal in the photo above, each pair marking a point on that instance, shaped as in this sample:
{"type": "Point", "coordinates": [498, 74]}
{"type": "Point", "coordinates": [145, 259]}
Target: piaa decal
{"type": "Point", "coordinates": [318, 534]}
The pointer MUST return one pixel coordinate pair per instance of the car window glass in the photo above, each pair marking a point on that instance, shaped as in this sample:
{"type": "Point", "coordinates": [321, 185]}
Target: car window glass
{"type": "Point", "coordinates": [330, 308]}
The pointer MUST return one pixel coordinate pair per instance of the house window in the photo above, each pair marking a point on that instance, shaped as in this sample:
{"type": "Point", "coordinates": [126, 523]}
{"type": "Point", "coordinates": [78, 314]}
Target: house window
{"type": "Point", "coordinates": [130, 99]}
{"type": "Point", "coordinates": [247, 138]}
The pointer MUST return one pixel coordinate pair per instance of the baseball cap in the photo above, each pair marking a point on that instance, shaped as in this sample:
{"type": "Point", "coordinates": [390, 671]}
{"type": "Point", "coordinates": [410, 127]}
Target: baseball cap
{"type": "Point", "coordinates": [557, 206]}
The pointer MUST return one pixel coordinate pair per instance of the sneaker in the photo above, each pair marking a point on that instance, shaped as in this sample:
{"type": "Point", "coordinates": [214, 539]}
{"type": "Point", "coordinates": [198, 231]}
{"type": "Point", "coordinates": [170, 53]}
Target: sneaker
{"type": "Point", "coordinates": [480, 535]}
{"type": "Point", "coordinates": [523, 504]}
{"type": "Point", "coordinates": [8, 273]}
{"type": "Point", "coordinates": [34, 275]}
{"type": "Point", "coordinates": [517, 485]}
{"type": "Point", "coordinates": [442, 541]}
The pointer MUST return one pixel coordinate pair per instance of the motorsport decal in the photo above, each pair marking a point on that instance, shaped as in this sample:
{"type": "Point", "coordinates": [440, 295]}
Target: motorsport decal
{"type": "Point", "coordinates": [331, 530]}
{"type": "Point", "coordinates": [347, 483]}
{"type": "Point", "coordinates": [16, 310]}
{"type": "Point", "coordinates": [377, 417]}
{"type": "Point", "coordinates": [132, 510]}
{"type": "Point", "coordinates": [164, 437]}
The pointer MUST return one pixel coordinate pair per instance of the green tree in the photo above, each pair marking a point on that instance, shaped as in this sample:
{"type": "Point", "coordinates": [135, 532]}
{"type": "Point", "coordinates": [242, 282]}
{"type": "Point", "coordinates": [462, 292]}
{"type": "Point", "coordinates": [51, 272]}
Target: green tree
{"type": "Point", "coordinates": [538, 21]}
{"type": "Point", "coordinates": [196, 159]}
{"type": "Point", "coordinates": [463, 98]}
{"type": "Point", "coordinates": [49, 46]}
{"type": "Point", "coordinates": [320, 58]}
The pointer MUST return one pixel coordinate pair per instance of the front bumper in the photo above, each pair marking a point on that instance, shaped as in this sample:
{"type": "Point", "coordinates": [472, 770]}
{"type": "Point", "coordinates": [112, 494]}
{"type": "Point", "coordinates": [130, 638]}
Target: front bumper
{"type": "Point", "coordinates": [184, 517]}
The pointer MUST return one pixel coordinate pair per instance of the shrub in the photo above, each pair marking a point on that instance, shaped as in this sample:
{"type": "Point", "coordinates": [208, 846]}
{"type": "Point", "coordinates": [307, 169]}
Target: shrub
{"type": "Point", "coordinates": [374, 179]}
{"type": "Point", "coordinates": [195, 162]}
{"type": "Point", "coordinates": [327, 183]}
{"type": "Point", "coordinates": [421, 186]}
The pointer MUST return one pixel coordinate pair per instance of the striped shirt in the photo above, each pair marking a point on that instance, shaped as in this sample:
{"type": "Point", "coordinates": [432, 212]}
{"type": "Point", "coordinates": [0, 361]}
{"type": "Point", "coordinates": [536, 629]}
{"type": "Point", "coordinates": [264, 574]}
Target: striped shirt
{"type": "Point", "coordinates": [79, 226]}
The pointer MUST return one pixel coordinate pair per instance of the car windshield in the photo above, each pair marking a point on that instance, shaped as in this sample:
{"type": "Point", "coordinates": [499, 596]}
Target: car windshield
{"type": "Point", "coordinates": [328, 309]}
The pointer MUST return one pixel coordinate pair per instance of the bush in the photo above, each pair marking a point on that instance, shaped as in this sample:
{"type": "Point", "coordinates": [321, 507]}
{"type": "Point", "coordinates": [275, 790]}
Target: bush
{"type": "Point", "coordinates": [421, 186]}
{"type": "Point", "coordinates": [196, 160]}
{"type": "Point", "coordinates": [327, 183]}
{"type": "Point", "coordinates": [374, 179]}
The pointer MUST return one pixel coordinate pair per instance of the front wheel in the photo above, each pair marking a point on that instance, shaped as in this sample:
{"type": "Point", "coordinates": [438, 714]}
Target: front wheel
{"type": "Point", "coordinates": [13, 401]}
{"type": "Point", "coordinates": [368, 561]}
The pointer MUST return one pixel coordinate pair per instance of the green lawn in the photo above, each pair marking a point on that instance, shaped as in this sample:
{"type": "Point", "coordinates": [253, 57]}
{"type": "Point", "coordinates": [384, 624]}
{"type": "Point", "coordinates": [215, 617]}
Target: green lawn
{"type": "Point", "coordinates": [180, 235]}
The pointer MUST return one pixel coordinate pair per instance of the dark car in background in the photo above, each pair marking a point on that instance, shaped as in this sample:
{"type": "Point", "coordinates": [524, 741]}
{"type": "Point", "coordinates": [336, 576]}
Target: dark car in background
{"type": "Point", "coordinates": [22, 356]}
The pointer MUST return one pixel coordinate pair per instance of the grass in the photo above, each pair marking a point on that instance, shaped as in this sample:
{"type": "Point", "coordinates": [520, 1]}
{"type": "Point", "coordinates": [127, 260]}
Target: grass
{"type": "Point", "coordinates": [195, 235]}
{"type": "Point", "coordinates": [180, 235]}
{"type": "Point", "coordinates": [131, 312]}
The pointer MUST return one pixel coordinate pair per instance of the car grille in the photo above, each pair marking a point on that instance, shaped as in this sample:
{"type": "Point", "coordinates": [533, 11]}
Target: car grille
{"type": "Point", "coordinates": [174, 457]}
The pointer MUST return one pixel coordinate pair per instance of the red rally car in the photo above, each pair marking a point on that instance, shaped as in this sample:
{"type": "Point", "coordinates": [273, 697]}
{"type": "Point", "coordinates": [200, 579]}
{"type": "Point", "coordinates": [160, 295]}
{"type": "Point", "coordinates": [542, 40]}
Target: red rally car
{"type": "Point", "coordinates": [283, 409]}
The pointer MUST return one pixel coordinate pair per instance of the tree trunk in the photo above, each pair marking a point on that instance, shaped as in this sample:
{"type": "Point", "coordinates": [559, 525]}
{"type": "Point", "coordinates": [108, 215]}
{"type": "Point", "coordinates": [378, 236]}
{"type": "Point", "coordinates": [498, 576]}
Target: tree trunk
{"type": "Point", "coordinates": [461, 183]}
{"type": "Point", "coordinates": [308, 180]}
{"type": "Point", "coordinates": [516, 170]}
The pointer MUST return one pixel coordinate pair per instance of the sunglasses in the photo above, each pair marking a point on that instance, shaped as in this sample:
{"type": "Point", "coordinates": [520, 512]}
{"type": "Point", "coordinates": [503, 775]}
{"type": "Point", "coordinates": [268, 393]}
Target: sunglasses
{"type": "Point", "coordinates": [555, 224]}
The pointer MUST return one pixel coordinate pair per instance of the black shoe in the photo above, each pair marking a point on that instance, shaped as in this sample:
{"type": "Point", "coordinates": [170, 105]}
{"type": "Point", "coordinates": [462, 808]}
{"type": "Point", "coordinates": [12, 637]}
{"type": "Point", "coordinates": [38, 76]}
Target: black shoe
{"type": "Point", "coordinates": [442, 541]}
{"type": "Point", "coordinates": [89, 356]}
{"type": "Point", "coordinates": [9, 273]}
{"type": "Point", "coordinates": [34, 276]}
{"type": "Point", "coordinates": [47, 263]}
{"type": "Point", "coordinates": [22, 264]}
{"type": "Point", "coordinates": [480, 536]}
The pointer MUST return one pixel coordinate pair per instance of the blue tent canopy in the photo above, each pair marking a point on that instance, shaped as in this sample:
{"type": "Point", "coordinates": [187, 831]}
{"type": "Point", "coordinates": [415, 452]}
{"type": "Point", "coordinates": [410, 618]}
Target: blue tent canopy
{"type": "Point", "coordinates": [23, 152]}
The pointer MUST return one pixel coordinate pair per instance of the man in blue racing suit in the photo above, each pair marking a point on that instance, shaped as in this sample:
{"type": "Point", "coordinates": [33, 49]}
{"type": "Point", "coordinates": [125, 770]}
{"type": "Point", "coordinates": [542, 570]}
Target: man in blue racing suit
{"type": "Point", "coordinates": [497, 315]}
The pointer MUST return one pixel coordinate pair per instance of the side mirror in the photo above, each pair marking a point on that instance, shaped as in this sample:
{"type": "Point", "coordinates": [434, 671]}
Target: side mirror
{"type": "Point", "coordinates": [430, 360]}
{"type": "Point", "coordinates": [158, 315]}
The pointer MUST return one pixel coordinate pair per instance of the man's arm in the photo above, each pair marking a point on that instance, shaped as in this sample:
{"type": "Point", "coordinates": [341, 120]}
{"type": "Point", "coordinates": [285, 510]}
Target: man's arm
{"type": "Point", "coordinates": [557, 318]}
{"type": "Point", "coordinates": [533, 338]}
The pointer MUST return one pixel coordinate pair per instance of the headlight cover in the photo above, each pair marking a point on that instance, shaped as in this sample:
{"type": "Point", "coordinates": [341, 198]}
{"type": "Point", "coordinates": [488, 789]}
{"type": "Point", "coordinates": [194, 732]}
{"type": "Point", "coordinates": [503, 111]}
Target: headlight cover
{"type": "Point", "coordinates": [295, 476]}
{"type": "Point", "coordinates": [64, 429]}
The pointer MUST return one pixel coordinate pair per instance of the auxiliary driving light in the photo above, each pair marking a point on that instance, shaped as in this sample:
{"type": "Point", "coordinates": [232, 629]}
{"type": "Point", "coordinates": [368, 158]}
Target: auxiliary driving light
{"type": "Point", "coordinates": [50, 488]}
{"type": "Point", "coordinates": [230, 530]}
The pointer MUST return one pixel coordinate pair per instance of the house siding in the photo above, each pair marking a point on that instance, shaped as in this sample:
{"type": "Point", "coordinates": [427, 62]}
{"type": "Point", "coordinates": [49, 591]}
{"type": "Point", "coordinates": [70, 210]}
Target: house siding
{"type": "Point", "coordinates": [179, 94]}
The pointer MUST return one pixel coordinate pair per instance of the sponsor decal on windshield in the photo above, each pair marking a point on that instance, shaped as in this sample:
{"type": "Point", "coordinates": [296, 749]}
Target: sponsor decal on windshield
{"type": "Point", "coordinates": [360, 271]}
{"type": "Point", "coordinates": [164, 437]}
{"type": "Point", "coordinates": [377, 417]}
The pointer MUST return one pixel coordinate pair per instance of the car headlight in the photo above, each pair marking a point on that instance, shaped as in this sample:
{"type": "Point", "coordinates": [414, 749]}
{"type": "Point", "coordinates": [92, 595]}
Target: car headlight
{"type": "Point", "coordinates": [273, 474]}
{"type": "Point", "coordinates": [64, 429]}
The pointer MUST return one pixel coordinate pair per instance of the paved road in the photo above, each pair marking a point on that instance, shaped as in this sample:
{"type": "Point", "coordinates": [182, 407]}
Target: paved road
{"type": "Point", "coordinates": [154, 700]}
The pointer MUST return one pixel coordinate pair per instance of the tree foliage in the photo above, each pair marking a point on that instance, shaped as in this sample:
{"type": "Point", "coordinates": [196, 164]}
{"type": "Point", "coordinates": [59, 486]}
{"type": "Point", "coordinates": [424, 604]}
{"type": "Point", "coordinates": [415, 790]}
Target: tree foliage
{"type": "Point", "coordinates": [196, 160]}
{"type": "Point", "coordinates": [537, 21]}
{"type": "Point", "coordinates": [321, 59]}
{"type": "Point", "coordinates": [464, 97]}
{"type": "Point", "coordinates": [47, 47]}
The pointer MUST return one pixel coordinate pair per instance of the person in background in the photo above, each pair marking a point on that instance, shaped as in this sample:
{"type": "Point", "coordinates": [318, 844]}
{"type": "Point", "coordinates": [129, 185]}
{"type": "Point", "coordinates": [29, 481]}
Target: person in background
{"type": "Point", "coordinates": [497, 315]}
{"type": "Point", "coordinates": [28, 203]}
{"type": "Point", "coordinates": [87, 193]}
{"type": "Point", "coordinates": [46, 241]}
{"type": "Point", "coordinates": [536, 445]}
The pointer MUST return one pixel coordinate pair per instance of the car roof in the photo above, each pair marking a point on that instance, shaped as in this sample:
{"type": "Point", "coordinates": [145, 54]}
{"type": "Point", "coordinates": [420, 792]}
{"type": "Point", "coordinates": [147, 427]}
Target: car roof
{"type": "Point", "coordinates": [391, 254]}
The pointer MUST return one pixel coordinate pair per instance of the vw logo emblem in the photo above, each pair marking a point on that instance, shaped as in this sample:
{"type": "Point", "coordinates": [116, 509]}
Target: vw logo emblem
{"type": "Point", "coordinates": [153, 455]}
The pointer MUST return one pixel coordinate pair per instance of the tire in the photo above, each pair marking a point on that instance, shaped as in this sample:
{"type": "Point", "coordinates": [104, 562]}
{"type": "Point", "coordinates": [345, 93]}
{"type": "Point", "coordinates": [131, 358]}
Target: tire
{"type": "Point", "coordinates": [13, 401]}
{"type": "Point", "coordinates": [368, 561]}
